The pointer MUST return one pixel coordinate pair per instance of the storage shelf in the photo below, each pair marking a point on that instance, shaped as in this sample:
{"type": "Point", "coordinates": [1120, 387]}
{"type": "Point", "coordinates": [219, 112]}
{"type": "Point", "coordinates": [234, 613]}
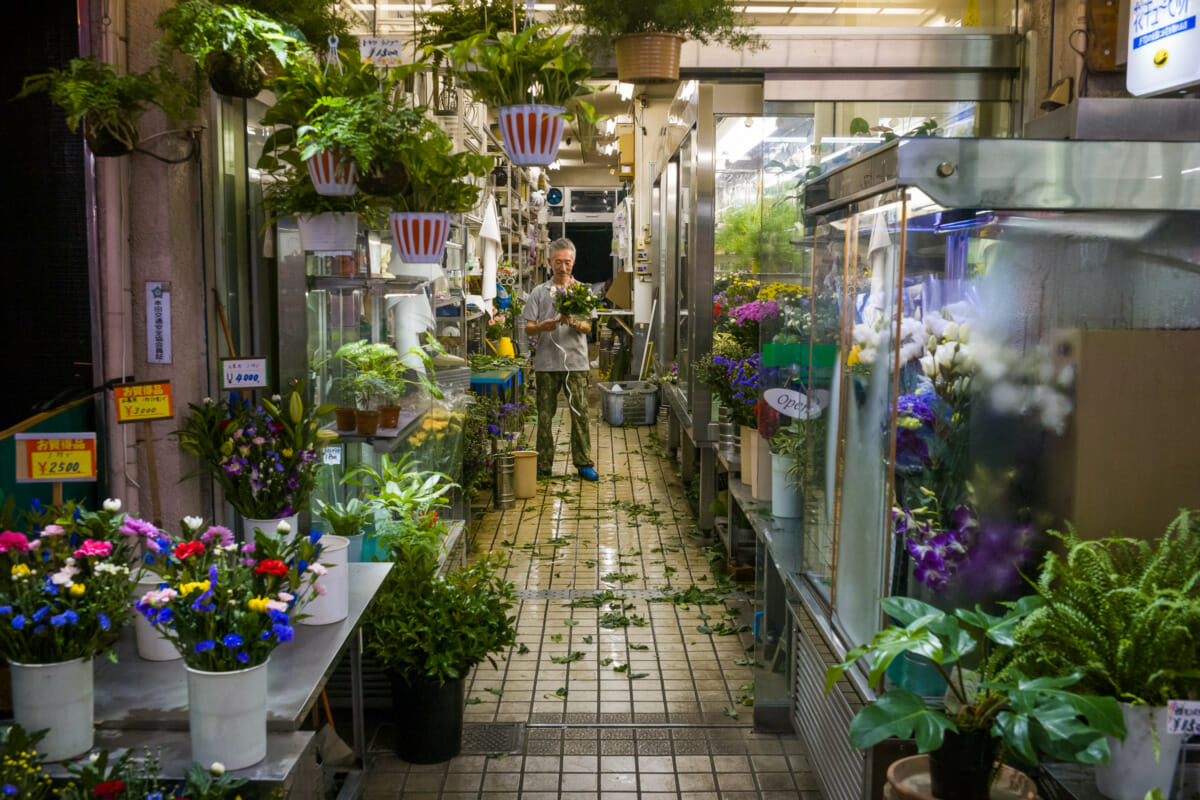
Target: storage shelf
{"type": "Point", "coordinates": [372, 284]}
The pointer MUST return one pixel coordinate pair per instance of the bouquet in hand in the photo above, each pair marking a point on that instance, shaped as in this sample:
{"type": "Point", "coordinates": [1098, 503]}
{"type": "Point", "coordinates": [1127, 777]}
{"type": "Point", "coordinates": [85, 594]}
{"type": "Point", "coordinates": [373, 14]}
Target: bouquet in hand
{"type": "Point", "coordinates": [576, 300]}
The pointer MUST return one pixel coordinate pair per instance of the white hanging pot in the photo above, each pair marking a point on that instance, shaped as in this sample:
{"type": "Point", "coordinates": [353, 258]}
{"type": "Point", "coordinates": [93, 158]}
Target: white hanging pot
{"type": "Point", "coordinates": [531, 134]}
{"type": "Point", "coordinates": [330, 233]}
{"type": "Point", "coordinates": [1132, 770]}
{"type": "Point", "coordinates": [268, 526]}
{"type": "Point", "coordinates": [785, 497]}
{"type": "Point", "coordinates": [152, 644]}
{"type": "Point", "coordinates": [57, 696]}
{"type": "Point", "coordinates": [420, 237]}
{"type": "Point", "coordinates": [333, 175]}
{"type": "Point", "coordinates": [227, 716]}
{"type": "Point", "coordinates": [334, 604]}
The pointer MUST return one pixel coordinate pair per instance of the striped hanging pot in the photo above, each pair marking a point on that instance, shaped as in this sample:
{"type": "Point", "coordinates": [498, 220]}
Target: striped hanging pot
{"type": "Point", "coordinates": [531, 134]}
{"type": "Point", "coordinates": [333, 175]}
{"type": "Point", "coordinates": [419, 236]}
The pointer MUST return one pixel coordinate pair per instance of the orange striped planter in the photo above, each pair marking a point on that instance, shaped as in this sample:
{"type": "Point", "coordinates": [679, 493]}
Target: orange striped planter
{"type": "Point", "coordinates": [531, 134]}
{"type": "Point", "coordinates": [420, 237]}
{"type": "Point", "coordinates": [333, 175]}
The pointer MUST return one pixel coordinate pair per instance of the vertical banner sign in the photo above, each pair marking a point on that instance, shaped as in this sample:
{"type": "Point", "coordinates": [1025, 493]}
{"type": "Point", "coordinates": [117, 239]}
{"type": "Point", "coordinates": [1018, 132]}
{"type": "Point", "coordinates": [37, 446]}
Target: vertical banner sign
{"type": "Point", "coordinates": [1164, 46]}
{"type": "Point", "coordinates": [381, 52]}
{"type": "Point", "coordinates": [142, 402]}
{"type": "Point", "coordinates": [158, 322]}
{"type": "Point", "coordinates": [56, 457]}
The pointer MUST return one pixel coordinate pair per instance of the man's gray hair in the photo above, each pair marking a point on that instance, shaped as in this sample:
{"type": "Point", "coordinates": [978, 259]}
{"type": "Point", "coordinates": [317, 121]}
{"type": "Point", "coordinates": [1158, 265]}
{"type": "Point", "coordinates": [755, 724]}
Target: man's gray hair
{"type": "Point", "coordinates": [561, 244]}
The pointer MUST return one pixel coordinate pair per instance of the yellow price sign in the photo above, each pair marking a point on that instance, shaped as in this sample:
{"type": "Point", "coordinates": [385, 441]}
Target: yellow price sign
{"type": "Point", "coordinates": [56, 457]}
{"type": "Point", "coordinates": [141, 402]}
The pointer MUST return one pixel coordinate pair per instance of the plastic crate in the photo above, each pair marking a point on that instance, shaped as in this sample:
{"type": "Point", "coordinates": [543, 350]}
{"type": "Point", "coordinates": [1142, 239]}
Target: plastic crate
{"type": "Point", "coordinates": [629, 402]}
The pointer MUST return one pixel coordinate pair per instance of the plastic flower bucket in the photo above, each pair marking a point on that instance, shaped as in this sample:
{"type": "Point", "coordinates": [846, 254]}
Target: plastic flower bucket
{"type": "Point", "coordinates": [57, 696]}
{"type": "Point", "coordinates": [334, 604]}
{"type": "Point", "coordinates": [227, 715]}
{"type": "Point", "coordinates": [333, 175]}
{"type": "Point", "coordinates": [531, 133]}
{"type": "Point", "coordinates": [420, 238]}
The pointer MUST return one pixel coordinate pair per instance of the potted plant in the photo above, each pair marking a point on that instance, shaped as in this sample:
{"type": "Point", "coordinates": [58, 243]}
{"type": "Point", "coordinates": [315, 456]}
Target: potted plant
{"type": "Point", "coordinates": [986, 705]}
{"type": "Point", "coordinates": [648, 36]}
{"type": "Point", "coordinates": [532, 77]}
{"type": "Point", "coordinates": [427, 631]}
{"type": "Point", "coordinates": [105, 102]}
{"type": "Point", "coordinates": [402, 498]}
{"type": "Point", "coordinates": [371, 365]}
{"type": "Point", "coordinates": [1125, 615]}
{"type": "Point", "coordinates": [231, 43]}
{"type": "Point", "coordinates": [348, 520]}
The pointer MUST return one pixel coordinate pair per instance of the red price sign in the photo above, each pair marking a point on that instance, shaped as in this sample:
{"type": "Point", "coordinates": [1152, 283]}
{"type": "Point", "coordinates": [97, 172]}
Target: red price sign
{"type": "Point", "coordinates": [141, 402]}
{"type": "Point", "coordinates": [56, 457]}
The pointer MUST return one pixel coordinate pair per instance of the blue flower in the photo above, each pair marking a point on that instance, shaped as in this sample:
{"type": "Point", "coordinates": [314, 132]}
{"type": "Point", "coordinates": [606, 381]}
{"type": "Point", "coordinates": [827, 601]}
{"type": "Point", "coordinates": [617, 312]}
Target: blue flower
{"type": "Point", "coordinates": [165, 615]}
{"type": "Point", "coordinates": [212, 573]}
{"type": "Point", "coordinates": [283, 633]}
{"type": "Point", "coordinates": [8, 787]}
{"type": "Point", "coordinates": [278, 617]}
{"type": "Point", "coordinates": [205, 646]}
{"type": "Point", "coordinates": [38, 629]}
{"type": "Point", "coordinates": [18, 622]}
{"type": "Point", "coordinates": [243, 658]}
{"type": "Point", "coordinates": [301, 565]}
{"type": "Point", "coordinates": [199, 605]}
{"type": "Point", "coordinates": [5, 609]}
{"type": "Point", "coordinates": [155, 796]}
{"type": "Point", "coordinates": [232, 640]}
{"type": "Point", "coordinates": [41, 613]}
{"type": "Point", "coordinates": [314, 536]}
{"type": "Point", "coordinates": [68, 617]}
{"type": "Point", "coordinates": [104, 623]}
{"type": "Point", "coordinates": [49, 587]}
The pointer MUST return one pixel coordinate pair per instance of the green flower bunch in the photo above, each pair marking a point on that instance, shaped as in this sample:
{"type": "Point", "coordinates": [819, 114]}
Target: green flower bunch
{"type": "Point", "coordinates": [21, 773]}
{"type": "Point", "coordinates": [576, 300]}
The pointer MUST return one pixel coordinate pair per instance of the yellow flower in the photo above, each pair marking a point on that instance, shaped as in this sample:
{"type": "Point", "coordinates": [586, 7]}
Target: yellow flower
{"type": "Point", "coordinates": [296, 407]}
{"type": "Point", "coordinates": [258, 604]}
{"type": "Point", "coordinates": [77, 590]}
{"type": "Point", "coordinates": [186, 588]}
{"type": "Point", "coordinates": [911, 423]}
{"type": "Point", "coordinates": [20, 571]}
{"type": "Point", "coordinates": [287, 452]}
{"type": "Point", "coordinates": [853, 360]}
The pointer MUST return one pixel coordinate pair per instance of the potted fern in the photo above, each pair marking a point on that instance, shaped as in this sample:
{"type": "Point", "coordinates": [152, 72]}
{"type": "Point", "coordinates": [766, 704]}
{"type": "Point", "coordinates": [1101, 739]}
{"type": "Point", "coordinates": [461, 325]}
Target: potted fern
{"type": "Point", "coordinates": [532, 77]}
{"type": "Point", "coordinates": [1125, 615]}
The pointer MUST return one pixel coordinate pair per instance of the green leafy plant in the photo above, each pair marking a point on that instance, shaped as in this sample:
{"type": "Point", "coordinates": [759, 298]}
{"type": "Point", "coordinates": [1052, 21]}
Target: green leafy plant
{"type": "Point", "coordinates": [21, 764]}
{"type": "Point", "coordinates": [316, 20]}
{"type": "Point", "coordinates": [290, 192]}
{"type": "Point", "coordinates": [438, 180]}
{"type": "Point", "coordinates": [456, 20]}
{"type": "Point", "coordinates": [1123, 614]}
{"type": "Point", "coordinates": [702, 20]}
{"type": "Point", "coordinates": [369, 129]}
{"type": "Point", "coordinates": [345, 519]}
{"type": "Point", "coordinates": [1029, 715]}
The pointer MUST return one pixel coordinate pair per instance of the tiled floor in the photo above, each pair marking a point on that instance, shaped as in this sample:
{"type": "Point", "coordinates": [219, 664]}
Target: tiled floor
{"type": "Point", "coordinates": [629, 693]}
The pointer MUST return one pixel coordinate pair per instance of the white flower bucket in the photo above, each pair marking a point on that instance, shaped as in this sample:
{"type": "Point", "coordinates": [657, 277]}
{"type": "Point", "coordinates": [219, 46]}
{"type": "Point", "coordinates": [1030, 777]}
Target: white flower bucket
{"type": "Point", "coordinates": [329, 233]}
{"type": "Point", "coordinates": [762, 469]}
{"type": "Point", "coordinates": [1131, 770]}
{"type": "Point", "coordinates": [227, 716]}
{"type": "Point", "coordinates": [749, 453]}
{"type": "Point", "coordinates": [59, 697]}
{"type": "Point", "coordinates": [532, 133]}
{"type": "Point", "coordinates": [420, 238]}
{"type": "Point", "coordinates": [785, 497]}
{"type": "Point", "coordinates": [152, 644]}
{"type": "Point", "coordinates": [334, 605]}
{"type": "Point", "coordinates": [333, 175]}
{"type": "Point", "coordinates": [268, 526]}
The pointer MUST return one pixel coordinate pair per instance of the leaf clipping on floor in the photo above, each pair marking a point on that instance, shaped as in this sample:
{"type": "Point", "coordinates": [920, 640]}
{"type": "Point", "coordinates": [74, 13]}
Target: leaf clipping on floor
{"type": "Point", "coordinates": [575, 656]}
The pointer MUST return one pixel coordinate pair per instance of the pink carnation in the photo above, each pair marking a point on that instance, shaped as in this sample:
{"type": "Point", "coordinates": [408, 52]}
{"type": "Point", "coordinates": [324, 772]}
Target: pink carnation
{"type": "Point", "coordinates": [218, 532]}
{"type": "Point", "coordinates": [320, 587]}
{"type": "Point", "coordinates": [317, 569]}
{"type": "Point", "coordinates": [139, 527]}
{"type": "Point", "coordinates": [275, 605]}
{"type": "Point", "coordinates": [53, 530]}
{"type": "Point", "coordinates": [11, 540]}
{"type": "Point", "coordinates": [159, 597]}
{"type": "Point", "coordinates": [91, 547]}
{"type": "Point", "coordinates": [286, 597]}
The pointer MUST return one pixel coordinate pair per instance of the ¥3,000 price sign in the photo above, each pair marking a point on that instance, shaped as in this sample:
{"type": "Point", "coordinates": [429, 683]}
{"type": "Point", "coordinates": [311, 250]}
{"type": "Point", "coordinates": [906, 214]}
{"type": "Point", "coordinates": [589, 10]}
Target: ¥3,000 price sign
{"type": "Point", "coordinates": [142, 402]}
{"type": "Point", "coordinates": [56, 457]}
{"type": "Point", "coordinates": [243, 373]}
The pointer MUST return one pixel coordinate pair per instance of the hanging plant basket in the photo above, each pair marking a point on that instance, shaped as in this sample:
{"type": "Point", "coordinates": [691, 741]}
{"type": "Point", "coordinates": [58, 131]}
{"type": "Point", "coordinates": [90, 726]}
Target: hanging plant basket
{"type": "Point", "coordinates": [333, 175]}
{"type": "Point", "coordinates": [105, 144]}
{"type": "Point", "coordinates": [384, 180]}
{"type": "Point", "coordinates": [648, 57]}
{"type": "Point", "coordinates": [420, 237]}
{"type": "Point", "coordinates": [233, 77]}
{"type": "Point", "coordinates": [531, 134]}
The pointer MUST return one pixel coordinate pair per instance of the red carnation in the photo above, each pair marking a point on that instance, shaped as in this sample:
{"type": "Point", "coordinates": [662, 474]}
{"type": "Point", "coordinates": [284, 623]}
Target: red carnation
{"type": "Point", "coordinates": [271, 566]}
{"type": "Point", "coordinates": [189, 549]}
{"type": "Point", "coordinates": [108, 790]}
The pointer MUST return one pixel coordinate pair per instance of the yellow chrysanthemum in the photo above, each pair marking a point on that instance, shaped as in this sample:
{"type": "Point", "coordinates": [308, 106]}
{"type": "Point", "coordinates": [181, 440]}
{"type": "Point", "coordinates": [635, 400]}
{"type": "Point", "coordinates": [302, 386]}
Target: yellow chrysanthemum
{"type": "Point", "coordinates": [20, 571]}
{"type": "Point", "coordinates": [77, 590]}
{"type": "Point", "coordinates": [186, 588]}
{"type": "Point", "coordinates": [853, 360]}
{"type": "Point", "coordinates": [258, 604]}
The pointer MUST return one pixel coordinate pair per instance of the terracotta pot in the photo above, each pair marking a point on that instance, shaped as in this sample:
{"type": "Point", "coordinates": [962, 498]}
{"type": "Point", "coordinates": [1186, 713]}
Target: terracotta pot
{"type": "Point", "coordinates": [648, 57]}
{"type": "Point", "coordinates": [367, 422]}
{"type": "Point", "coordinates": [908, 779]}
{"type": "Point", "coordinates": [389, 416]}
{"type": "Point", "coordinates": [344, 418]}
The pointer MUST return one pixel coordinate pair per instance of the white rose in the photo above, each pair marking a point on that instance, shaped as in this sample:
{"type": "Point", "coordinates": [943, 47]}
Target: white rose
{"type": "Point", "coordinates": [944, 356]}
{"type": "Point", "coordinates": [193, 523]}
{"type": "Point", "coordinates": [112, 505]}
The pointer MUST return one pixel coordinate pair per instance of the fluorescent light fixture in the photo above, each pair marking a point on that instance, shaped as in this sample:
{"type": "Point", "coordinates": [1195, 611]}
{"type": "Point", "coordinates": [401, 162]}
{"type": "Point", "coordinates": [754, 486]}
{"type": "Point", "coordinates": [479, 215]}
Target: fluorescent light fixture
{"type": "Point", "coordinates": [857, 11]}
{"type": "Point", "coordinates": [543, 6]}
{"type": "Point", "coordinates": [813, 9]}
{"type": "Point", "coordinates": [902, 11]}
{"type": "Point", "coordinates": [687, 91]}
{"type": "Point", "coordinates": [765, 10]}
{"type": "Point", "coordinates": [625, 90]}
{"type": "Point", "coordinates": [624, 119]}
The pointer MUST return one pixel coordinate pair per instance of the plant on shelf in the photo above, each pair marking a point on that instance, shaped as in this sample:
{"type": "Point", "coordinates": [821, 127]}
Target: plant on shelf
{"type": "Point", "coordinates": [345, 519]}
{"type": "Point", "coordinates": [371, 364]}
{"type": "Point", "coordinates": [232, 44]}
{"type": "Point", "coordinates": [106, 103]}
{"type": "Point", "coordinates": [986, 705]}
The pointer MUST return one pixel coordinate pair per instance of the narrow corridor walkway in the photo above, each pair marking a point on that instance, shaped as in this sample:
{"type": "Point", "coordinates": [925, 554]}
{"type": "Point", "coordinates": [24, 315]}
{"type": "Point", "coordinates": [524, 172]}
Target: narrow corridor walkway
{"type": "Point", "coordinates": [632, 676]}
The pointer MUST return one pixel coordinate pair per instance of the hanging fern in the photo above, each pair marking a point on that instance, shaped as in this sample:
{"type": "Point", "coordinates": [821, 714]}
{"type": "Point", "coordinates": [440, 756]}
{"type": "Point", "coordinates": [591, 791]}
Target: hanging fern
{"type": "Point", "coordinates": [1121, 612]}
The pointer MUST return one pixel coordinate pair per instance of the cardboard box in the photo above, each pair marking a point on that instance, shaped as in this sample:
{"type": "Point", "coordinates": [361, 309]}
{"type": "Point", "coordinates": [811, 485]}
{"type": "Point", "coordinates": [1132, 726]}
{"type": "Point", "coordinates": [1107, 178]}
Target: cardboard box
{"type": "Point", "coordinates": [1130, 457]}
{"type": "Point", "coordinates": [621, 291]}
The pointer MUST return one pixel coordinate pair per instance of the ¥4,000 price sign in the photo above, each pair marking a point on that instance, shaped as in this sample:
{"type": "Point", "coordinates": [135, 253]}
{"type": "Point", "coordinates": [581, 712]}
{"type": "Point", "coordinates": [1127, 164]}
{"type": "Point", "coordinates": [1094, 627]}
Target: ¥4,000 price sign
{"type": "Point", "coordinates": [56, 457]}
{"type": "Point", "coordinates": [243, 373]}
{"type": "Point", "coordinates": [142, 402]}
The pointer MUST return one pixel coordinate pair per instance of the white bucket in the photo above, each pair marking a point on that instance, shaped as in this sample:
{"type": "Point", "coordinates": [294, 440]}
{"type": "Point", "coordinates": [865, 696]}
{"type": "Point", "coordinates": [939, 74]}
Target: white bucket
{"type": "Point", "coordinates": [328, 233]}
{"type": "Point", "coordinates": [59, 697]}
{"type": "Point", "coordinates": [334, 605]}
{"type": "Point", "coordinates": [762, 470]}
{"type": "Point", "coordinates": [227, 716]}
{"type": "Point", "coordinates": [785, 497]}
{"type": "Point", "coordinates": [268, 526]}
{"type": "Point", "coordinates": [749, 453]}
{"type": "Point", "coordinates": [1131, 770]}
{"type": "Point", "coordinates": [152, 644]}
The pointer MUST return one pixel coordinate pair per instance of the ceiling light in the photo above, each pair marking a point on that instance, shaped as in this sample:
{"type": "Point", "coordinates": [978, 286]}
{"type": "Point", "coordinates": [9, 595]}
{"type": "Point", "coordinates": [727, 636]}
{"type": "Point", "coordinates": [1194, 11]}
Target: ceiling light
{"type": "Point", "coordinates": [625, 90]}
{"type": "Point", "coordinates": [765, 10]}
{"type": "Point", "coordinates": [902, 11]}
{"type": "Point", "coordinates": [812, 9]}
{"type": "Point", "coordinates": [624, 119]}
{"type": "Point", "coordinates": [686, 91]}
{"type": "Point", "coordinates": [857, 11]}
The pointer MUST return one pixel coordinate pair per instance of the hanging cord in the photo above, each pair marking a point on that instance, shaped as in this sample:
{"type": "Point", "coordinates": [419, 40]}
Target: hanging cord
{"type": "Point", "coordinates": [332, 57]}
{"type": "Point", "coordinates": [193, 153]}
{"type": "Point", "coordinates": [1084, 72]}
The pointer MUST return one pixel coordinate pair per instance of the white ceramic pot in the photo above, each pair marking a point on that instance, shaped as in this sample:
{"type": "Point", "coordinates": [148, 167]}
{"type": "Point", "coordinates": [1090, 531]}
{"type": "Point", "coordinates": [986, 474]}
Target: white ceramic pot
{"type": "Point", "coordinates": [268, 526]}
{"type": "Point", "coordinates": [785, 496]}
{"type": "Point", "coordinates": [1132, 770]}
{"type": "Point", "coordinates": [420, 238]}
{"type": "Point", "coordinates": [531, 133]}
{"type": "Point", "coordinates": [329, 233]}
{"type": "Point", "coordinates": [152, 644]}
{"type": "Point", "coordinates": [227, 716]}
{"type": "Point", "coordinates": [762, 469]}
{"type": "Point", "coordinates": [334, 604]}
{"type": "Point", "coordinates": [59, 697]}
{"type": "Point", "coordinates": [749, 454]}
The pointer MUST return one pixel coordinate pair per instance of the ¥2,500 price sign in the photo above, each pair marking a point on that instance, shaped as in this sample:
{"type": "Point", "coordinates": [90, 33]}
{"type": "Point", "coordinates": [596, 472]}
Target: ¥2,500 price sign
{"type": "Point", "coordinates": [56, 457]}
{"type": "Point", "coordinates": [142, 402]}
{"type": "Point", "coordinates": [243, 373]}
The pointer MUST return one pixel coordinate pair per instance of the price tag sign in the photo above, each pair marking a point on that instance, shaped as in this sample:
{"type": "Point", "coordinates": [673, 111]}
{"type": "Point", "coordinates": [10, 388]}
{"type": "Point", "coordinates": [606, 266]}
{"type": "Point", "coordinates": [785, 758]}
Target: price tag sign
{"type": "Point", "coordinates": [797, 404]}
{"type": "Point", "coordinates": [380, 51]}
{"type": "Point", "coordinates": [141, 402]}
{"type": "Point", "coordinates": [1183, 716]}
{"type": "Point", "coordinates": [243, 373]}
{"type": "Point", "coordinates": [331, 455]}
{"type": "Point", "coordinates": [56, 457]}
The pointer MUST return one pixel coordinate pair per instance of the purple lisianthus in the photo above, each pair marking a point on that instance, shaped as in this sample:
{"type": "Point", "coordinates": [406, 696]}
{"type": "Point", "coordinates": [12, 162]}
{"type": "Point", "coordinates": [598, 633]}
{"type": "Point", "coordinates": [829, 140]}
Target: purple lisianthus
{"type": "Point", "coordinates": [755, 311]}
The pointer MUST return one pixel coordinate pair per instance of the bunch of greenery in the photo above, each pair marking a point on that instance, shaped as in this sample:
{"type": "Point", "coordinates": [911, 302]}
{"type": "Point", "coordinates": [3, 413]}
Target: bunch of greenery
{"type": "Point", "coordinates": [316, 20]}
{"type": "Point", "coordinates": [760, 237]}
{"type": "Point", "coordinates": [1121, 613]}
{"type": "Point", "coordinates": [576, 300]}
{"type": "Point", "coordinates": [371, 130]}
{"type": "Point", "coordinates": [456, 20]}
{"type": "Point", "coordinates": [477, 445]}
{"type": "Point", "coordinates": [702, 20]}
{"type": "Point", "coordinates": [1028, 715]}
{"type": "Point", "coordinates": [345, 519]}
{"type": "Point", "coordinates": [21, 764]}
{"type": "Point", "coordinates": [225, 38]}
{"type": "Point", "coordinates": [126, 776]}
{"type": "Point", "coordinates": [438, 180]}
{"type": "Point", "coordinates": [289, 192]}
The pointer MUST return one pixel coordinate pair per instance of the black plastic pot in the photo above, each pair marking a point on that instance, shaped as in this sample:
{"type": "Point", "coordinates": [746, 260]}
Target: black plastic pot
{"type": "Point", "coordinates": [964, 767]}
{"type": "Point", "coordinates": [103, 143]}
{"type": "Point", "coordinates": [233, 77]}
{"type": "Point", "coordinates": [384, 180]}
{"type": "Point", "coordinates": [429, 719]}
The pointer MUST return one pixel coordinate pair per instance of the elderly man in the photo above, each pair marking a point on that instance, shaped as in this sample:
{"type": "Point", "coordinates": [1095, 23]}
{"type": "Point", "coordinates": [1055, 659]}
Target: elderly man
{"type": "Point", "coordinates": [561, 361]}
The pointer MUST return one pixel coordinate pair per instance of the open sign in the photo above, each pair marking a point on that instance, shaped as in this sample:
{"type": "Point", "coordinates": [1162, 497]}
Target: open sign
{"type": "Point", "coordinates": [797, 404]}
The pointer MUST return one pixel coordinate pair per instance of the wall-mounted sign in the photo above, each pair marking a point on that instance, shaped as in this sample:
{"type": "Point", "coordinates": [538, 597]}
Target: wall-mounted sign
{"type": "Point", "coordinates": [141, 402]}
{"type": "Point", "coordinates": [381, 52]}
{"type": "Point", "coordinates": [1183, 716]}
{"type": "Point", "coordinates": [331, 455]}
{"type": "Point", "coordinates": [1164, 46]}
{"type": "Point", "coordinates": [56, 457]}
{"type": "Point", "coordinates": [797, 404]}
{"type": "Point", "coordinates": [158, 322]}
{"type": "Point", "coordinates": [243, 373]}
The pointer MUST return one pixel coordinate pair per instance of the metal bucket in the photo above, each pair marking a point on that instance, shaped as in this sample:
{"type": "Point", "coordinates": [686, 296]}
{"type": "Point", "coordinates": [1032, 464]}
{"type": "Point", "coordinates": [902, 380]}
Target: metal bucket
{"type": "Point", "coordinates": [729, 438]}
{"type": "Point", "coordinates": [505, 467]}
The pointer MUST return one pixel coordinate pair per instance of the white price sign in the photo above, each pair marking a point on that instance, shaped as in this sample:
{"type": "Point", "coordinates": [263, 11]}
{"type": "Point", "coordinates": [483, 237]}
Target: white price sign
{"type": "Point", "coordinates": [1183, 716]}
{"type": "Point", "coordinates": [243, 373]}
{"type": "Point", "coordinates": [331, 455]}
{"type": "Point", "coordinates": [1164, 46]}
{"type": "Point", "coordinates": [381, 52]}
{"type": "Point", "coordinates": [797, 404]}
